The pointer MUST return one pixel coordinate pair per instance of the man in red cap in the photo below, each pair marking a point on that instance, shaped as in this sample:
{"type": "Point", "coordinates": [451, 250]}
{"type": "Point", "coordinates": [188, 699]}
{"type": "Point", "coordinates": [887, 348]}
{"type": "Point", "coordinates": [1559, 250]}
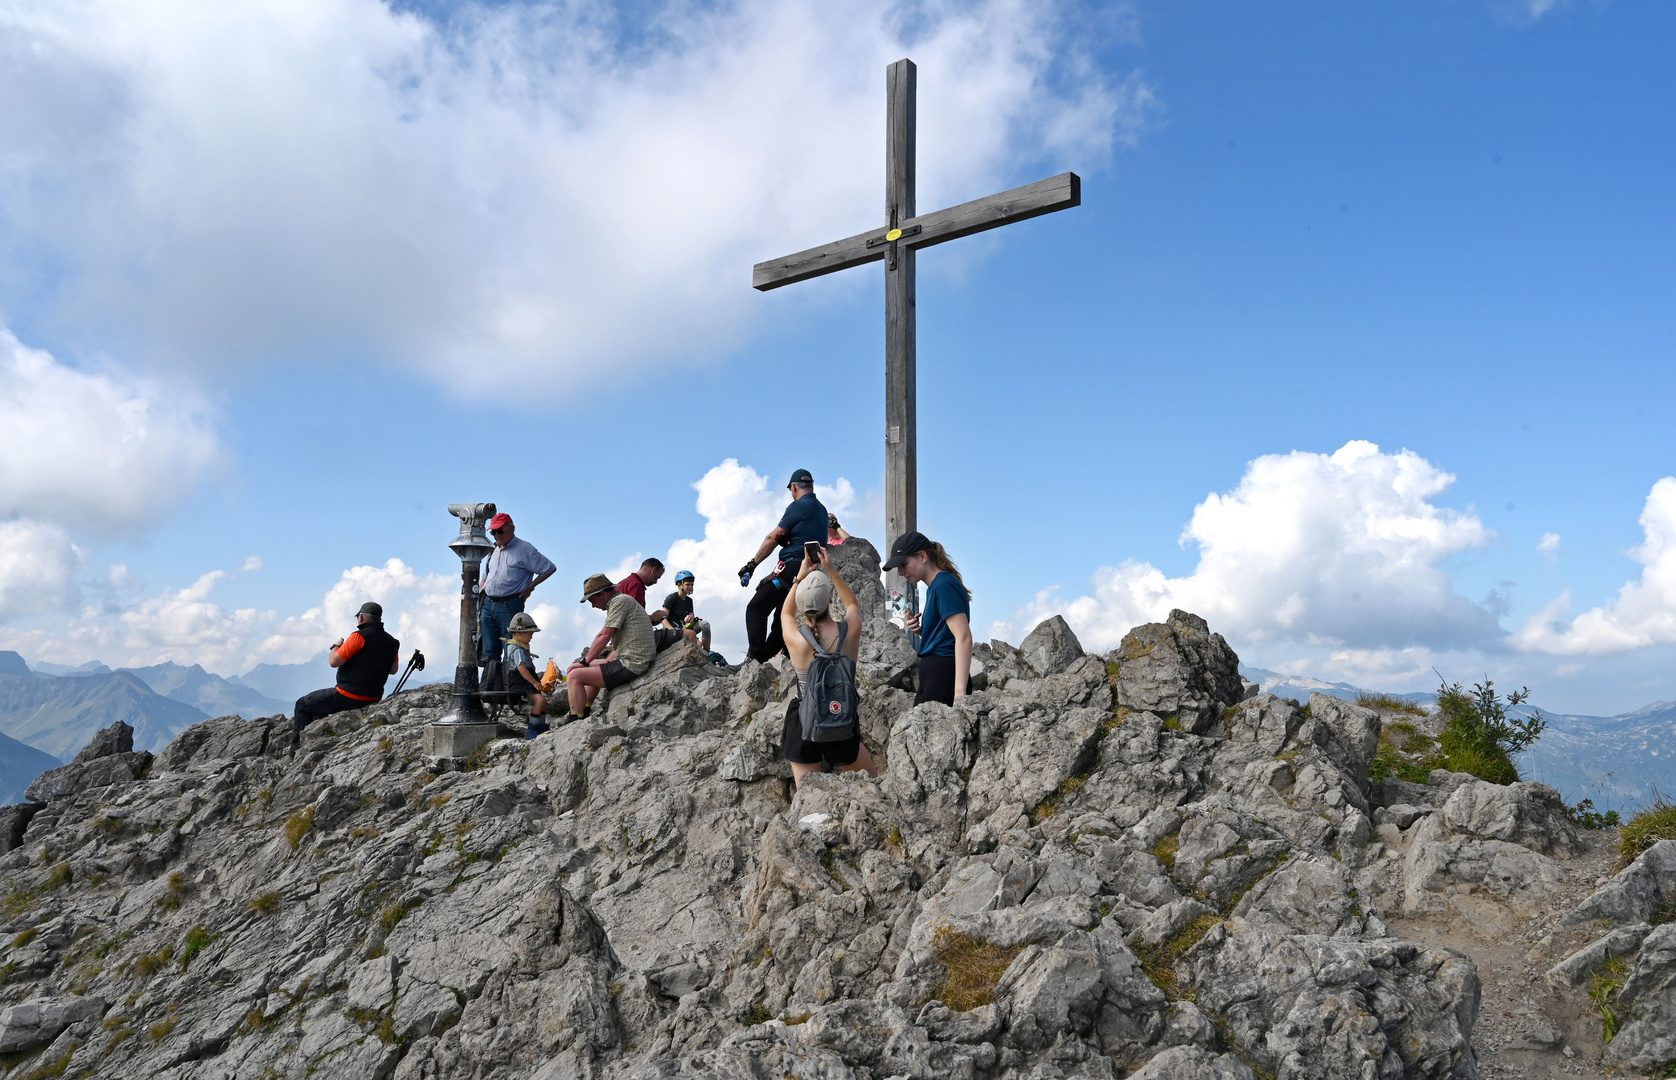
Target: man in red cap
{"type": "Point", "coordinates": [509, 575]}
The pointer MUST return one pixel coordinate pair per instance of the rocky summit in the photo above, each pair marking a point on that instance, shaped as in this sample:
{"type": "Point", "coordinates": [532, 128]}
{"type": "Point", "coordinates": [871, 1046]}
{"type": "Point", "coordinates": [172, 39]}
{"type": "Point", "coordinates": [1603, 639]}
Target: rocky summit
{"type": "Point", "coordinates": [1096, 866]}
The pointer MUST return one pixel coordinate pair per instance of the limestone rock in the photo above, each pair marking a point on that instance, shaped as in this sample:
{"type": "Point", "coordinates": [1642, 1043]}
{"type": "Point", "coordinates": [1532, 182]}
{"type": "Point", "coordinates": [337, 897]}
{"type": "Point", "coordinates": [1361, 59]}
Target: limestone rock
{"type": "Point", "coordinates": [1348, 734]}
{"type": "Point", "coordinates": [1646, 1044]}
{"type": "Point", "coordinates": [38, 1021]}
{"type": "Point", "coordinates": [1193, 1063]}
{"type": "Point", "coordinates": [1531, 815]}
{"type": "Point", "coordinates": [1051, 647]}
{"type": "Point", "coordinates": [646, 895]}
{"type": "Point", "coordinates": [67, 780]}
{"type": "Point", "coordinates": [1178, 668]}
{"type": "Point", "coordinates": [116, 739]}
{"type": "Point", "coordinates": [1636, 894]}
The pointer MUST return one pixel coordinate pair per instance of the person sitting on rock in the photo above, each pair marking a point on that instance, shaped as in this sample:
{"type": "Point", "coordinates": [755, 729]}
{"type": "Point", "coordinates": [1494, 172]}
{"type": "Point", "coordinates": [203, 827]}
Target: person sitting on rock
{"type": "Point", "coordinates": [945, 626]}
{"type": "Point", "coordinates": [678, 615]}
{"type": "Point", "coordinates": [365, 660]}
{"type": "Point", "coordinates": [627, 634]}
{"type": "Point", "coordinates": [636, 584]}
{"type": "Point", "coordinates": [809, 604]}
{"type": "Point", "coordinates": [520, 669]}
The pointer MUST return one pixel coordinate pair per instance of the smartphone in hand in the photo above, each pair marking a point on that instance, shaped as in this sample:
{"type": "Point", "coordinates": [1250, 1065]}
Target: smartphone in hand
{"type": "Point", "coordinates": [812, 551]}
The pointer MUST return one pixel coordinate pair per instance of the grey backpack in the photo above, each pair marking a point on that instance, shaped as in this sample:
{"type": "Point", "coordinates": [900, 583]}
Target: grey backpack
{"type": "Point", "coordinates": [828, 707]}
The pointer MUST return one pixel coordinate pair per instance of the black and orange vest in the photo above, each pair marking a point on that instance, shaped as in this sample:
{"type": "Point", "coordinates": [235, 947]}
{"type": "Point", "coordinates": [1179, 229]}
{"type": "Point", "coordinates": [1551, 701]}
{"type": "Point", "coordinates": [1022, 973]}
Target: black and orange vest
{"type": "Point", "coordinates": [364, 674]}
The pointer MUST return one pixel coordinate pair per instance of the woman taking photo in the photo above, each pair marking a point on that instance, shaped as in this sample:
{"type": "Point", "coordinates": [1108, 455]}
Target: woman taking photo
{"type": "Point", "coordinates": [945, 624]}
{"type": "Point", "coordinates": [808, 605]}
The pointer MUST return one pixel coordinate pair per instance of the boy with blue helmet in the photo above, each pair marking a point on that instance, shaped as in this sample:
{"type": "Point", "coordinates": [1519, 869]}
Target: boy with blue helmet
{"type": "Point", "coordinates": [678, 613]}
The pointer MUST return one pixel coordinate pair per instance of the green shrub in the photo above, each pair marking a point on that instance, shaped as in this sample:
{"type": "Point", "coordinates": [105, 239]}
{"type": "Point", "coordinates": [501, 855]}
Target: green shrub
{"type": "Point", "coordinates": [1585, 816]}
{"type": "Point", "coordinates": [1479, 735]}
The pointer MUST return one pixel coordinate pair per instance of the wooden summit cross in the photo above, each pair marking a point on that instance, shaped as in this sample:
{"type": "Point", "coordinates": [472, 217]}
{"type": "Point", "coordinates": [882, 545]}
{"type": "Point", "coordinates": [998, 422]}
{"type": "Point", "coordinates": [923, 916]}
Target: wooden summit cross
{"type": "Point", "coordinates": [904, 233]}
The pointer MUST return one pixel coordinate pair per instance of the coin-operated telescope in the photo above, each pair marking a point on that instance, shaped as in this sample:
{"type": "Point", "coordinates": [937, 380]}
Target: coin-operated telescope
{"type": "Point", "coordinates": [472, 546]}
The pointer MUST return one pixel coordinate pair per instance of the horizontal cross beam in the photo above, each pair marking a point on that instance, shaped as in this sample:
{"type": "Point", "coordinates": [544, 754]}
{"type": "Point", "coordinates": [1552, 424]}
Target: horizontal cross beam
{"type": "Point", "coordinates": [1021, 203]}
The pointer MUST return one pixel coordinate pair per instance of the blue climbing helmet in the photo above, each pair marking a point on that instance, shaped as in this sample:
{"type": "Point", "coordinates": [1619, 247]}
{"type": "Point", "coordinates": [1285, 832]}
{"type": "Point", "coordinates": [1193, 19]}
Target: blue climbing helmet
{"type": "Point", "coordinates": [682, 575]}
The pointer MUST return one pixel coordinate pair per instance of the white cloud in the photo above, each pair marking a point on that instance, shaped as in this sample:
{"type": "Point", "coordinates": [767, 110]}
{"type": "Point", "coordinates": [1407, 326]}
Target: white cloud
{"type": "Point", "coordinates": [740, 507]}
{"type": "Point", "coordinates": [1549, 543]}
{"type": "Point", "coordinates": [1341, 550]}
{"type": "Point", "coordinates": [95, 449]}
{"type": "Point", "coordinates": [187, 626]}
{"type": "Point", "coordinates": [38, 564]}
{"type": "Point", "coordinates": [1644, 611]}
{"type": "Point", "coordinates": [533, 185]}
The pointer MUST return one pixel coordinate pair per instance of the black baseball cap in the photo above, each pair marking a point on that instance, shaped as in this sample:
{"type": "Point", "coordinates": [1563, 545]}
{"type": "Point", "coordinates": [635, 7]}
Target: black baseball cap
{"type": "Point", "coordinates": [372, 610]}
{"type": "Point", "coordinates": [801, 476]}
{"type": "Point", "coordinates": [906, 545]}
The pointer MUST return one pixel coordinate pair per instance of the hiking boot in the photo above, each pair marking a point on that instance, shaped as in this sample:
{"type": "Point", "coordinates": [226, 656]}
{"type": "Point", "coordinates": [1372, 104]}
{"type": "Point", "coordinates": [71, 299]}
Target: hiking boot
{"type": "Point", "coordinates": [538, 726]}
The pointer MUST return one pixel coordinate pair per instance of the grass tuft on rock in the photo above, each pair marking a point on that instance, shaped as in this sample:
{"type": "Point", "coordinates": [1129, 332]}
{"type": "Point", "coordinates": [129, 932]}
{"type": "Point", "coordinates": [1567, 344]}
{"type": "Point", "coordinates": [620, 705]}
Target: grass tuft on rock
{"type": "Point", "coordinates": [197, 940]}
{"type": "Point", "coordinates": [1387, 703]}
{"type": "Point", "coordinates": [299, 825]}
{"type": "Point", "coordinates": [1165, 850]}
{"type": "Point", "coordinates": [1603, 995]}
{"type": "Point", "coordinates": [266, 904]}
{"type": "Point", "coordinates": [1647, 827]}
{"type": "Point", "coordinates": [972, 968]}
{"type": "Point", "coordinates": [1159, 961]}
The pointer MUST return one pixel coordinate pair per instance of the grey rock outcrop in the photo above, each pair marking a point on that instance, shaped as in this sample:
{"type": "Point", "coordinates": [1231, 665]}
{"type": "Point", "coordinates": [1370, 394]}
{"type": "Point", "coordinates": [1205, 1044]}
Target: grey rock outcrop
{"type": "Point", "coordinates": [1097, 867]}
{"type": "Point", "coordinates": [1178, 669]}
{"type": "Point", "coordinates": [38, 1021]}
{"type": "Point", "coordinates": [116, 739]}
{"type": "Point", "coordinates": [1051, 647]}
{"type": "Point", "coordinates": [78, 776]}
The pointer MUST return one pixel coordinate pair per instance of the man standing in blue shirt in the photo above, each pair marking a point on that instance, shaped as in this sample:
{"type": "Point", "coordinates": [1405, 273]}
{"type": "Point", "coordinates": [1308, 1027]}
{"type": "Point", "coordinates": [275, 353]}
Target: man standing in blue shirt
{"type": "Point", "coordinates": [510, 574]}
{"type": "Point", "coordinates": [803, 522]}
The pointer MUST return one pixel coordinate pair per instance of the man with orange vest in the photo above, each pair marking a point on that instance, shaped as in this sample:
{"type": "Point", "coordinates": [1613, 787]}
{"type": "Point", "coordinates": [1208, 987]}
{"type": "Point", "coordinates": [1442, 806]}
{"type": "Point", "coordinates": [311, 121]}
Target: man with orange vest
{"type": "Point", "coordinates": [365, 660]}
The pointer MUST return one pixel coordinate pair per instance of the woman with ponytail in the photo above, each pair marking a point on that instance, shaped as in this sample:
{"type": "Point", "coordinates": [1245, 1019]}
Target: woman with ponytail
{"type": "Point", "coordinates": [945, 625]}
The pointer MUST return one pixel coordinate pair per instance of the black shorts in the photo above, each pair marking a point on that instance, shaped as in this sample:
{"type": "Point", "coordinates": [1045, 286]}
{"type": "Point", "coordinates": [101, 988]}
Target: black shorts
{"type": "Point", "coordinates": [836, 754]}
{"type": "Point", "coordinates": [615, 674]}
{"type": "Point", "coordinates": [663, 637]}
{"type": "Point", "coordinates": [936, 680]}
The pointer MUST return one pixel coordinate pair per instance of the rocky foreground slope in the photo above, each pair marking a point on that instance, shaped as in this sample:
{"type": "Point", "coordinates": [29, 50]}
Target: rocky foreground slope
{"type": "Point", "coordinates": [1099, 866]}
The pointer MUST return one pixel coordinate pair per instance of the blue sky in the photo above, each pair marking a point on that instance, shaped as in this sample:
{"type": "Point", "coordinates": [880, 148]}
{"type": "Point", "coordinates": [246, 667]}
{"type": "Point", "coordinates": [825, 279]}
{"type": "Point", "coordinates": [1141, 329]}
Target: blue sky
{"type": "Point", "coordinates": [358, 264]}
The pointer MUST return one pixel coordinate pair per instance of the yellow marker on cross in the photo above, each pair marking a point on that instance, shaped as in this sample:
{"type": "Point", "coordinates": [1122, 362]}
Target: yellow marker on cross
{"type": "Point", "coordinates": [894, 234]}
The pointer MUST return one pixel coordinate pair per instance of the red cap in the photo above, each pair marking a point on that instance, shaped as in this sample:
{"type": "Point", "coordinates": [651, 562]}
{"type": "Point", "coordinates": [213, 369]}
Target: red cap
{"type": "Point", "coordinates": [499, 520]}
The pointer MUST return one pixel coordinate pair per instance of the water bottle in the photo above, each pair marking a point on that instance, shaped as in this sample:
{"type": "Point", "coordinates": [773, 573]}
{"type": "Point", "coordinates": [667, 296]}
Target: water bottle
{"type": "Point", "coordinates": [745, 577]}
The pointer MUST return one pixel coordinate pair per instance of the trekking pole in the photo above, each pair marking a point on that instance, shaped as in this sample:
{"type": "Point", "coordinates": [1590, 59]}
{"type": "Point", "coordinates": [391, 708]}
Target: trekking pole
{"type": "Point", "coordinates": [414, 663]}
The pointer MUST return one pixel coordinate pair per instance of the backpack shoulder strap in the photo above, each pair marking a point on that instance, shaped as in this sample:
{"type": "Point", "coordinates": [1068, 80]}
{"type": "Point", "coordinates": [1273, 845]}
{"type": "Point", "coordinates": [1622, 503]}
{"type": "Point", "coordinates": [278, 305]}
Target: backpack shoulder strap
{"type": "Point", "coordinates": [809, 637]}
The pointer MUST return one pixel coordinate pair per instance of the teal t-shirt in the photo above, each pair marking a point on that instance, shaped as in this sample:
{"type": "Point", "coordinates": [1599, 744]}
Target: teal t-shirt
{"type": "Point", "coordinates": [945, 596]}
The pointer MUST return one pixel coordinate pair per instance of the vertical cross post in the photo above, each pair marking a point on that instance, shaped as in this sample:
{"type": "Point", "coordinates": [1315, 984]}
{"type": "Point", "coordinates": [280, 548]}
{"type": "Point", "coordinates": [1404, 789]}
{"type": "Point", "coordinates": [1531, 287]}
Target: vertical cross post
{"type": "Point", "coordinates": [901, 459]}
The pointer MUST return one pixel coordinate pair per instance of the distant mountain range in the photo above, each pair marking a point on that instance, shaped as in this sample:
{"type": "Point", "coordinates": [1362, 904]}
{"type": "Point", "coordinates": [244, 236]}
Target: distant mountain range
{"type": "Point", "coordinates": [48, 714]}
{"type": "Point", "coordinates": [288, 682]}
{"type": "Point", "coordinates": [59, 714]}
{"type": "Point", "coordinates": [210, 694]}
{"type": "Point", "coordinates": [1618, 761]}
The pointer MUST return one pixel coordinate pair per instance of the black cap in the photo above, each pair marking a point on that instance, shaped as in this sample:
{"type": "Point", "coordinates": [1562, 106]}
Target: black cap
{"type": "Point", "coordinates": [801, 476]}
{"type": "Point", "coordinates": [371, 610]}
{"type": "Point", "coordinates": [906, 545]}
